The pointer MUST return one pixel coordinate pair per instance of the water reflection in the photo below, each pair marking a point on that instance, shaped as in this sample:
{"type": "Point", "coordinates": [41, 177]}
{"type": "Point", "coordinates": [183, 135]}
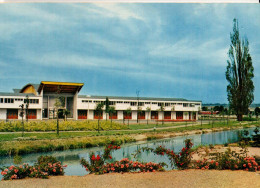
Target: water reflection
{"type": "Point", "coordinates": [72, 157]}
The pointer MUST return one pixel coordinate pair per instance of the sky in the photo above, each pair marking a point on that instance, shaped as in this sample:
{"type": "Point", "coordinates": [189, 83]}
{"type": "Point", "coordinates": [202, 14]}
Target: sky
{"type": "Point", "coordinates": [160, 50]}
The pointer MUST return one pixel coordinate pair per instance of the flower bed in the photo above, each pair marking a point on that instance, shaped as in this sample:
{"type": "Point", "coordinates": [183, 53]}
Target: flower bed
{"type": "Point", "coordinates": [51, 125]}
{"type": "Point", "coordinates": [46, 166]}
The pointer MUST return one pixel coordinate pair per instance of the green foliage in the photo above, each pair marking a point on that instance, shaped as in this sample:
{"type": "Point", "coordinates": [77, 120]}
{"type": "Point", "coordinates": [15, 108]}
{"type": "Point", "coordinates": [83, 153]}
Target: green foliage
{"type": "Point", "coordinates": [257, 111]}
{"type": "Point", "coordinates": [107, 105]}
{"type": "Point", "coordinates": [239, 74]}
{"type": "Point", "coordinates": [249, 119]}
{"type": "Point", "coordinates": [204, 108]}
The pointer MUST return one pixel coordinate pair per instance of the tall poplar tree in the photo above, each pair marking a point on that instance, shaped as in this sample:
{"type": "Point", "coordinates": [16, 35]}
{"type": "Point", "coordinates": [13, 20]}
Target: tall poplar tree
{"type": "Point", "coordinates": [239, 74]}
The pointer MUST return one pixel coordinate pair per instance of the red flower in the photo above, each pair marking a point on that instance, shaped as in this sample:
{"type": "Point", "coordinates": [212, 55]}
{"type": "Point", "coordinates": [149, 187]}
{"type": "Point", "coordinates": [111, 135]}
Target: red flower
{"type": "Point", "coordinates": [110, 157]}
{"type": "Point", "coordinates": [93, 158]}
{"type": "Point", "coordinates": [98, 158]}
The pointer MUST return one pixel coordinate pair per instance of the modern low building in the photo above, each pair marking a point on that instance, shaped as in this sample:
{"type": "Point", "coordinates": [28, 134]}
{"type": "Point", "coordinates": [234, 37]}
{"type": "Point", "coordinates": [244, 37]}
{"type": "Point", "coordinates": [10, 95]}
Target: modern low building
{"type": "Point", "coordinates": [42, 98]}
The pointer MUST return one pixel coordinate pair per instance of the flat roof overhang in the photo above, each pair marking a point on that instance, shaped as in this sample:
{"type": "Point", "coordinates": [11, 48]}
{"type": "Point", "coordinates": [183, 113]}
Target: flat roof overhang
{"type": "Point", "coordinates": [60, 87]}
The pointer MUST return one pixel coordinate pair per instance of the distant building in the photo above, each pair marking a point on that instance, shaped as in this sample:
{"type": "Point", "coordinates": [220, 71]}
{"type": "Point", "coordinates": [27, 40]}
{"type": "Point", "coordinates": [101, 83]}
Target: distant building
{"type": "Point", "coordinates": [42, 99]}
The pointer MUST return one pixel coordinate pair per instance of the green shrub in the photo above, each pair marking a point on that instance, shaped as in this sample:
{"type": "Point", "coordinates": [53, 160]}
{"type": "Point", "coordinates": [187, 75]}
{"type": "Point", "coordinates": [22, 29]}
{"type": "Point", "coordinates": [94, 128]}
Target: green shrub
{"type": "Point", "coordinates": [249, 119]}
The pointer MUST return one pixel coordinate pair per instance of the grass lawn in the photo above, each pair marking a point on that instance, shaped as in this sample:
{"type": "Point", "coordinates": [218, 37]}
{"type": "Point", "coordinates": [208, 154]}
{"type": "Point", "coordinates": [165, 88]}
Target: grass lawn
{"type": "Point", "coordinates": [152, 125]}
{"type": "Point", "coordinates": [133, 127]}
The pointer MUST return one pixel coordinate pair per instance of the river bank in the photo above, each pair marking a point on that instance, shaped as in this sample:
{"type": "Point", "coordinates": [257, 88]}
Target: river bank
{"type": "Point", "coordinates": [173, 178]}
{"type": "Point", "coordinates": [35, 145]}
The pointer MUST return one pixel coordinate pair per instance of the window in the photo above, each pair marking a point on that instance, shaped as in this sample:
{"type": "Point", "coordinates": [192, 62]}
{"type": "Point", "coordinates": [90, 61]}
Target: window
{"type": "Point", "coordinates": [98, 102]}
{"type": "Point", "coordinates": [9, 100]}
{"type": "Point", "coordinates": [133, 103]}
{"type": "Point", "coordinates": [112, 102]}
{"type": "Point", "coordinates": [185, 104]}
{"type": "Point", "coordinates": [160, 103]}
{"type": "Point", "coordinates": [1, 100]}
{"type": "Point", "coordinates": [192, 105]}
{"type": "Point", "coordinates": [127, 102]}
{"type": "Point", "coordinates": [18, 99]}
{"type": "Point", "coordinates": [32, 101]}
{"type": "Point", "coordinates": [167, 104]}
{"type": "Point", "coordinates": [154, 103]}
{"type": "Point", "coordinates": [118, 102]}
{"type": "Point", "coordinates": [172, 104]}
{"type": "Point", "coordinates": [141, 104]}
{"type": "Point", "coordinates": [87, 101]}
{"type": "Point", "coordinates": [147, 103]}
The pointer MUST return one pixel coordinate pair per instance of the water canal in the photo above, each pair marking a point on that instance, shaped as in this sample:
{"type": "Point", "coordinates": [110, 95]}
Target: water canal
{"type": "Point", "coordinates": [72, 157]}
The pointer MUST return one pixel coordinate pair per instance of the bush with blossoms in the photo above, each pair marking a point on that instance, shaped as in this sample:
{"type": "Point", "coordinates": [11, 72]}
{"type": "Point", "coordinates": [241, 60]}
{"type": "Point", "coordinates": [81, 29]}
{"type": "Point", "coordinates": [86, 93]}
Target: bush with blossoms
{"type": "Point", "coordinates": [228, 160]}
{"type": "Point", "coordinates": [181, 160]}
{"type": "Point", "coordinates": [126, 165]}
{"type": "Point", "coordinates": [45, 166]}
{"type": "Point", "coordinates": [96, 164]}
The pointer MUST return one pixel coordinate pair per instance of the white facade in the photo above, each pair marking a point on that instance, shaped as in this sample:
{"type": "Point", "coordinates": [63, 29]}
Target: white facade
{"type": "Point", "coordinates": [43, 96]}
{"type": "Point", "coordinates": [121, 104]}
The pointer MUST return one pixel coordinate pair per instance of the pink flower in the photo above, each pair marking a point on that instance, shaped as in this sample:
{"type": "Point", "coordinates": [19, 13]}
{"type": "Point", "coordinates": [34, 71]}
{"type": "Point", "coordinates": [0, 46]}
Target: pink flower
{"type": "Point", "coordinates": [54, 170]}
{"type": "Point", "coordinates": [16, 170]}
{"type": "Point", "coordinates": [122, 166]}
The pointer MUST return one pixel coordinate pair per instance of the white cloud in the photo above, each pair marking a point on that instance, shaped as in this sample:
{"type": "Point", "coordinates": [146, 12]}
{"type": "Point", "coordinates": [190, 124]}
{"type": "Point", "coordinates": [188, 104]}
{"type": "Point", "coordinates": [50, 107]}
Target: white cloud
{"type": "Point", "coordinates": [186, 49]}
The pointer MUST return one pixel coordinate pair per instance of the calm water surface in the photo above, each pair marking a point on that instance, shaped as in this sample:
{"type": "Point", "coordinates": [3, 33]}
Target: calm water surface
{"type": "Point", "coordinates": [72, 157]}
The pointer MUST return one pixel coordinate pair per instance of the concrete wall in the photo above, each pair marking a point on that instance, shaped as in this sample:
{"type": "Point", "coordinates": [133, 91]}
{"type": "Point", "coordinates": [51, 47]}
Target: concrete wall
{"type": "Point", "coordinates": [134, 115]}
{"type": "Point", "coordinates": [3, 113]}
{"type": "Point", "coordinates": [120, 115]}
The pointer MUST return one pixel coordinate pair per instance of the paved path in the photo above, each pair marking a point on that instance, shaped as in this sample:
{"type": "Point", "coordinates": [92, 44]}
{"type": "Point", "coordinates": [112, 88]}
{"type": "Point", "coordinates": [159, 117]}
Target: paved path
{"type": "Point", "coordinates": [174, 178]}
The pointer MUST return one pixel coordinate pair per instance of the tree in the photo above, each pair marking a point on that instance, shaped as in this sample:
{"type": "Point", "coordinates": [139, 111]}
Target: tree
{"type": "Point", "coordinates": [128, 113]}
{"type": "Point", "coordinates": [27, 107]}
{"type": "Point", "coordinates": [111, 111]}
{"type": "Point", "coordinates": [59, 104]}
{"type": "Point", "coordinates": [204, 108]}
{"type": "Point", "coordinates": [257, 111]}
{"type": "Point", "coordinates": [162, 110]}
{"type": "Point", "coordinates": [99, 110]}
{"type": "Point", "coordinates": [138, 109]}
{"type": "Point", "coordinates": [139, 112]}
{"type": "Point", "coordinates": [148, 110]}
{"type": "Point", "coordinates": [239, 74]}
{"type": "Point", "coordinates": [106, 107]}
{"type": "Point", "coordinates": [21, 115]}
{"type": "Point", "coordinates": [66, 112]}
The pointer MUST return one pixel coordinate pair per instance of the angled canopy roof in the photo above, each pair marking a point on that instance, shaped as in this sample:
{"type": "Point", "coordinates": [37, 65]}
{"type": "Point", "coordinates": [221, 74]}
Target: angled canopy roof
{"type": "Point", "coordinates": [60, 87]}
